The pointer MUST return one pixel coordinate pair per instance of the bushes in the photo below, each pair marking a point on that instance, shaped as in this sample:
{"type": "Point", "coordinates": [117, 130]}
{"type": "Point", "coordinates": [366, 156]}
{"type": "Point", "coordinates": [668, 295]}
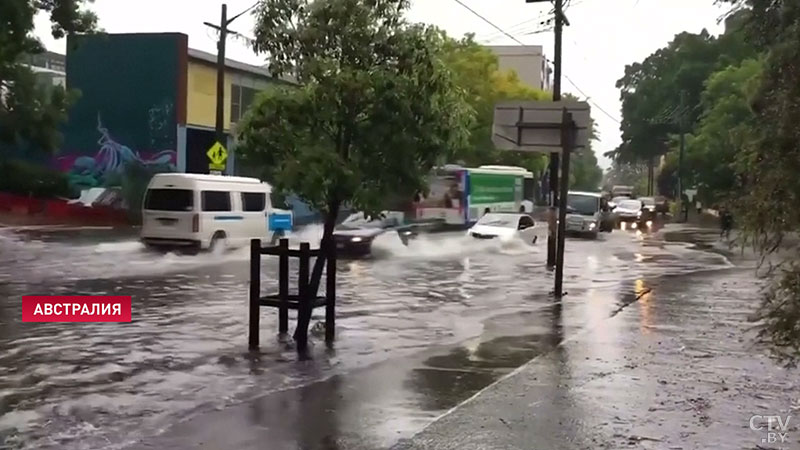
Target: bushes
{"type": "Point", "coordinates": [24, 178]}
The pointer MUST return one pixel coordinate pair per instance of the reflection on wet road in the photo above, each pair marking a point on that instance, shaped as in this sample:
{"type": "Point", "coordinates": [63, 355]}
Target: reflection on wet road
{"type": "Point", "coordinates": [457, 313]}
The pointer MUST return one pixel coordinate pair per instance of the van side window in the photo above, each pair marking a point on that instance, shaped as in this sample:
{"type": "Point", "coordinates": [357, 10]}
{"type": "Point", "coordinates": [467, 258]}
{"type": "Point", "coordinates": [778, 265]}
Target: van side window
{"type": "Point", "coordinates": [253, 201]}
{"type": "Point", "coordinates": [216, 201]}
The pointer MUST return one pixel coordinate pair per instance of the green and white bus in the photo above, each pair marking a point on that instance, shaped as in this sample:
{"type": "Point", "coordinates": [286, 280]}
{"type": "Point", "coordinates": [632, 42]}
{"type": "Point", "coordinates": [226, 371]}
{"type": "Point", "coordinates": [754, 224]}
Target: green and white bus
{"type": "Point", "coordinates": [459, 196]}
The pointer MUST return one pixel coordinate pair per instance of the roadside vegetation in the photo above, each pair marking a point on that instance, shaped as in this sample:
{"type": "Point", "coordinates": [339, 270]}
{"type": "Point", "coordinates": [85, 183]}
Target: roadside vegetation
{"type": "Point", "coordinates": [737, 99]}
{"type": "Point", "coordinates": [30, 114]}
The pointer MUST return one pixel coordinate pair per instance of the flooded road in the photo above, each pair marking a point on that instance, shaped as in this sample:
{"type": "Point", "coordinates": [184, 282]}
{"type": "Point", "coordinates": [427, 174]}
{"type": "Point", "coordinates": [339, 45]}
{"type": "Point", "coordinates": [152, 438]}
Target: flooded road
{"type": "Point", "coordinates": [455, 314]}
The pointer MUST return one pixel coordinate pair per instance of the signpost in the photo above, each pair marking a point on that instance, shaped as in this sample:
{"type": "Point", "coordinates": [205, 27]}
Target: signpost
{"type": "Point", "coordinates": [217, 156]}
{"type": "Point", "coordinates": [546, 127]}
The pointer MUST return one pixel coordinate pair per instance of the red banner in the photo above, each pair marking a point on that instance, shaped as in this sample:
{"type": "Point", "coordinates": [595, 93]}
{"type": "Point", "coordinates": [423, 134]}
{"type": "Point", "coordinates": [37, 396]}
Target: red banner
{"type": "Point", "coordinates": [81, 308]}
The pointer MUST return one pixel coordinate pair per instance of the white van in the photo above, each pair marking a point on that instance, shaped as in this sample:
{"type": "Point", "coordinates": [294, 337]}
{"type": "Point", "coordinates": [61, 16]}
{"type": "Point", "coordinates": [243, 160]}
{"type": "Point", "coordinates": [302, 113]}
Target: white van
{"type": "Point", "coordinates": [586, 214]}
{"type": "Point", "coordinates": [199, 212]}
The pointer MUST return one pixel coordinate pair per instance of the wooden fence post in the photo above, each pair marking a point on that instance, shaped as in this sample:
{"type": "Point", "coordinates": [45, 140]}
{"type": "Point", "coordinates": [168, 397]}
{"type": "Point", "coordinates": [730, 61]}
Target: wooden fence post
{"type": "Point", "coordinates": [330, 293]}
{"type": "Point", "coordinates": [304, 306]}
{"type": "Point", "coordinates": [255, 292]}
{"type": "Point", "coordinates": [283, 287]}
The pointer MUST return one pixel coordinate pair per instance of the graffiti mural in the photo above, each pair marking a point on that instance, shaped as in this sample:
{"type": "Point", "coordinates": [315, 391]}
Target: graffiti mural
{"type": "Point", "coordinates": [108, 166]}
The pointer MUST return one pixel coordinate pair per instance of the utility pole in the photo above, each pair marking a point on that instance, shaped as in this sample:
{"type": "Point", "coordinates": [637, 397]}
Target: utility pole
{"type": "Point", "coordinates": [223, 34]}
{"type": "Point", "coordinates": [681, 130]}
{"type": "Point", "coordinates": [223, 30]}
{"type": "Point", "coordinates": [560, 20]}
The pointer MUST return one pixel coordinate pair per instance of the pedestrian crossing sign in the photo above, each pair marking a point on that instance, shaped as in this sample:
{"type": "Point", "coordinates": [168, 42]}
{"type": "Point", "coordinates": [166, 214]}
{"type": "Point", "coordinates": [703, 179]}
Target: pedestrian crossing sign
{"type": "Point", "coordinates": [217, 155]}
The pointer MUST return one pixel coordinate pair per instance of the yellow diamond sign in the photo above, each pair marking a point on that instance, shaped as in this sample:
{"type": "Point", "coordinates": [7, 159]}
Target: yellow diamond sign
{"type": "Point", "coordinates": [217, 156]}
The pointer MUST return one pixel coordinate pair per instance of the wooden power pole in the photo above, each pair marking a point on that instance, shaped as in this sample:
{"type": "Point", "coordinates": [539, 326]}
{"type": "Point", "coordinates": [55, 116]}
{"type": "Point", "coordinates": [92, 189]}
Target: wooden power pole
{"type": "Point", "coordinates": [560, 21]}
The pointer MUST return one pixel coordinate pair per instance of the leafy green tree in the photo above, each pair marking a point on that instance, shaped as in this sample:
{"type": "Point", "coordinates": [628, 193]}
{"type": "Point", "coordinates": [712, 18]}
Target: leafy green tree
{"type": "Point", "coordinates": [375, 110]}
{"type": "Point", "coordinates": [723, 130]}
{"type": "Point", "coordinates": [476, 70]}
{"type": "Point", "coordinates": [29, 112]}
{"type": "Point", "coordinates": [768, 205]}
{"type": "Point", "coordinates": [662, 94]}
{"type": "Point", "coordinates": [624, 174]}
{"type": "Point", "coordinates": [585, 174]}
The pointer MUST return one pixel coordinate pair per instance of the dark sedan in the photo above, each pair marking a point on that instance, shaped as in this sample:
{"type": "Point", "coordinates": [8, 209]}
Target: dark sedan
{"type": "Point", "coordinates": [354, 236]}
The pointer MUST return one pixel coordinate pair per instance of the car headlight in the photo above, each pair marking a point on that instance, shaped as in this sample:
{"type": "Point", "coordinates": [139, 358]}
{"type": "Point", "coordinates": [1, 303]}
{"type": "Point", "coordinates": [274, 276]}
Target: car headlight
{"type": "Point", "coordinates": [639, 214]}
{"type": "Point", "coordinates": [356, 239]}
{"type": "Point", "coordinates": [592, 225]}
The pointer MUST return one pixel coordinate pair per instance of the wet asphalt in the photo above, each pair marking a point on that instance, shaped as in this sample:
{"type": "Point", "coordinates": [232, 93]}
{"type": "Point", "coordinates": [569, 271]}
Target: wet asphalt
{"type": "Point", "coordinates": [422, 329]}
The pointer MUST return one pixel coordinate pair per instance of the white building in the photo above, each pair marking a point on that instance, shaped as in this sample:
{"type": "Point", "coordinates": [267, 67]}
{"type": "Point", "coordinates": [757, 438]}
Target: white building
{"type": "Point", "coordinates": [50, 68]}
{"type": "Point", "coordinates": [528, 61]}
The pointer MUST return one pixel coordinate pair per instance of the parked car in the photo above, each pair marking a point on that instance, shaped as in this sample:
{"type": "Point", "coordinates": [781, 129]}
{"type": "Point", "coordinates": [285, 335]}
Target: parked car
{"type": "Point", "coordinates": [355, 235]}
{"type": "Point", "coordinates": [506, 227]}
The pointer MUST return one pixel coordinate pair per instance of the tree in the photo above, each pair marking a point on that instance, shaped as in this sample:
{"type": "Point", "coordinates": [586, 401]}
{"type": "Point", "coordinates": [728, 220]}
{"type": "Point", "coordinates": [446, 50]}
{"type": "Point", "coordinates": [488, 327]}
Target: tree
{"type": "Point", "coordinates": [624, 174]}
{"type": "Point", "coordinates": [477, 71]}
{"type": "Point", "coordinates": [663, 93]}
{"type": "Point", "coordinates": [722, 131]}
{"type": "Point", "coordinates": [585, 174]}
{"type": "Point", "coordinates": [767, 168]}
{"type": "Point", "coordinates": [376, 107]}
{"type": "Point", "coordinates": [30, 113]}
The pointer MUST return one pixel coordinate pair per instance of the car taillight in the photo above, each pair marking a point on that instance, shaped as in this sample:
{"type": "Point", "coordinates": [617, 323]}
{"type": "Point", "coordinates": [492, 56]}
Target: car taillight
{"type": "Point", "coordinates": [196, 223]}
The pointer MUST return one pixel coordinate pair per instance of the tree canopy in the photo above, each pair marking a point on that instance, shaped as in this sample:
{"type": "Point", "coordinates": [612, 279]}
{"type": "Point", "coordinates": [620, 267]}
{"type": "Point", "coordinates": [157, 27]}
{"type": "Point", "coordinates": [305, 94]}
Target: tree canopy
{"type": "Point", "coordinates": [477, 71]}
{"type": "Point", "coordinates": [375, 110]}
{"type": "Point", "coordinates": [663, 93]}
{"type": "Point", "coordinates": [29, 112]}
{"type": "Point", "coordinates": [768, 201]}
{"type": "Point", "coordinates": [669, 92]}
{"type": "Point", "coordinates": [740, 110]}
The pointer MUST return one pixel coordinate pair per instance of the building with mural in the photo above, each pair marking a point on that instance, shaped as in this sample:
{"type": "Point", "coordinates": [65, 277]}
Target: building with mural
{"type": "Point", "coordinates": [147, 104]}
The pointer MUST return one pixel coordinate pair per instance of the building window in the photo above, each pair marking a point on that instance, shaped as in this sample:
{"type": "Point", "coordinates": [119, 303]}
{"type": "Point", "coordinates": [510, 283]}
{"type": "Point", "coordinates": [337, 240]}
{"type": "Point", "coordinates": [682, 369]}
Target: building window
{"type": "Point", "coordinates": [241, 98]}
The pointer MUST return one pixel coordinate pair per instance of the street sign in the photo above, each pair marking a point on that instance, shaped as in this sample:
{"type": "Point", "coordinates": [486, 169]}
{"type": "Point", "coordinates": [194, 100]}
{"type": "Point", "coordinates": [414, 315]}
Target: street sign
{"type": "Point", "coordinates": [535, 126]}
{"type": "Point", "coordinates": [217, 155]}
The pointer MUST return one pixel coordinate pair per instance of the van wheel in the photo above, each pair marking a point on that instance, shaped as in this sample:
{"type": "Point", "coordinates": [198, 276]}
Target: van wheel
{"type": "Point", "coordinates": [219, 237]}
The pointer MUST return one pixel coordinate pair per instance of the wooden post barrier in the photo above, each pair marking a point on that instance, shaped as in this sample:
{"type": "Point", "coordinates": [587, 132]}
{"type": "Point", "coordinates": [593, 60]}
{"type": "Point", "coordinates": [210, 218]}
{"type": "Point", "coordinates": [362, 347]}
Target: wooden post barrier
{"type": "Point", "coordinates": [255, 293]}
{"type": "Point", "coordinates": [303, 302]}
{"type": "Point", "coordinates": [330, 293]}
{"type": "Point", "coordinates": [283, 286]}
{"type": "Point", "coordinates": [304, 307]}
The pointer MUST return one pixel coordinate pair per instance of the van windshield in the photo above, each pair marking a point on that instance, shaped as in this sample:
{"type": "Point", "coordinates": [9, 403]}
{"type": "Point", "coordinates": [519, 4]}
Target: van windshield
{"type": "Point", "coordinates": [585, 205]}
{"type": "Point", "coordinates": [169, 200]}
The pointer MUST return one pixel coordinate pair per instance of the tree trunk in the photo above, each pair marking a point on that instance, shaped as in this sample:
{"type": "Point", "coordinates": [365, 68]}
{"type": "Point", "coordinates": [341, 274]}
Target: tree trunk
{"type": "Point", "coordinates": [326, 245]}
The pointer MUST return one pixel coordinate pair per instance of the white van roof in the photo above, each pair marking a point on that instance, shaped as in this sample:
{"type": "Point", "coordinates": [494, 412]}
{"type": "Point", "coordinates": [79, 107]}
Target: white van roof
{"type": "Point", "coordinates": [206, 177]}
{"type": "Point", "coordinates": [191, 179]}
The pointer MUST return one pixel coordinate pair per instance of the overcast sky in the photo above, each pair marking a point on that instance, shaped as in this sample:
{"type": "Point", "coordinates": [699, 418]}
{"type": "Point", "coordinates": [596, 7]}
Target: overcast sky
{"type": "Point", "coordinates": [603, 36]}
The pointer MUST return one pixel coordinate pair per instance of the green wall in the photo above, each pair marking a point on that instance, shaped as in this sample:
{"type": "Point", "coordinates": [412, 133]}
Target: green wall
{"type": "Point", "coordinates": [132, 99]}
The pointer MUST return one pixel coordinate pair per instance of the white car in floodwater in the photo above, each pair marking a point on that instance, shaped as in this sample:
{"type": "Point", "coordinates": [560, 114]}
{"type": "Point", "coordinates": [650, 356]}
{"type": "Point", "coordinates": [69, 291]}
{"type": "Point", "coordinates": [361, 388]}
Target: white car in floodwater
{"type": "Point", "coordinates": [505, 227]}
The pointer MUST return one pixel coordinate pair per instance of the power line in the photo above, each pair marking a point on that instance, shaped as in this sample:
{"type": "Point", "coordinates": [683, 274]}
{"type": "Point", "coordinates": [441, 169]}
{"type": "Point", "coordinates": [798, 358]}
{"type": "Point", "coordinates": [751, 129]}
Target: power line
{"type": "Point", "coordinates": [488, 21]}
{"type": "Point", "coordinates": [588, 99]}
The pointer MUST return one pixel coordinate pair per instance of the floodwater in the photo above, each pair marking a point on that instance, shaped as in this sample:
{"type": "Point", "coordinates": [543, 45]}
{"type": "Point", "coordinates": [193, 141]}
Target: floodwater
{"type": "Point", "coordinates": [445, 304]}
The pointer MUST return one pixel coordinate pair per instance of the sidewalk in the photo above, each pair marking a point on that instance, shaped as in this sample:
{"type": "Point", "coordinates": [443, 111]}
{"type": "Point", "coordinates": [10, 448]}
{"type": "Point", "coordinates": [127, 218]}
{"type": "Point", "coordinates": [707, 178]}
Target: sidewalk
{"type": "Point", "coordinates": [675, 370]}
